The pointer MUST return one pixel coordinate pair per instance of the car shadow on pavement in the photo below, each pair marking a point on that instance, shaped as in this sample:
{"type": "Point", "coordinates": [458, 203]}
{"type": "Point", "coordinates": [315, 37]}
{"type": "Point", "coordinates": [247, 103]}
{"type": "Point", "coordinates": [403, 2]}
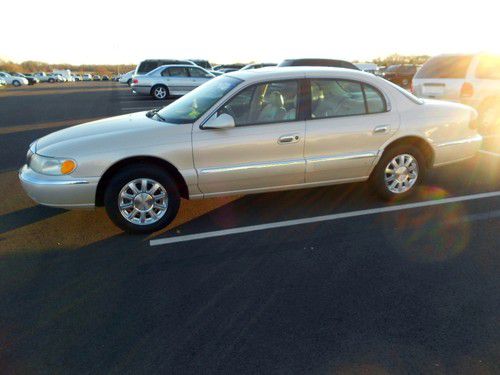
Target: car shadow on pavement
{"type": "Point", "coordinates": [27, 216]}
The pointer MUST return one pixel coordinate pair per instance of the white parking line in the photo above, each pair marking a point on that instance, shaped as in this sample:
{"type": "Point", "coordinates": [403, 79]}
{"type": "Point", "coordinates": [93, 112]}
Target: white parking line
{"type": "Point", "coordinates": [490, 153]}
{"type": "Point", "coordinates": [316, 219]}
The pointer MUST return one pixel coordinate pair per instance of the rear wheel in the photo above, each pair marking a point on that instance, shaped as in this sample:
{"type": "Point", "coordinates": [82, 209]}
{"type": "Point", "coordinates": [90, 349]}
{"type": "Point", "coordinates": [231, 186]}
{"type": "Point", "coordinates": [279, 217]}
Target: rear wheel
{"type": "Point", "coordinates": [398, 172]}
{"type": "Point", "coordinates": [129, 82]}
{"type": "Point", "coordinates": [142, 199]}
{"type": "Point", "coordinates": [160, 92]}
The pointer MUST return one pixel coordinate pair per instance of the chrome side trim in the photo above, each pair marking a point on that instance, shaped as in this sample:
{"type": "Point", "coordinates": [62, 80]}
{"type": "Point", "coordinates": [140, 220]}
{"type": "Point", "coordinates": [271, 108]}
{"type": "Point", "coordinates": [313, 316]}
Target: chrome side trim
{"type": "Point", "coordinates": [477, 138]}
{"type": "Point", "coordinates": [250, 166]}
{"type": "Point", "coordinates": [363, 155]}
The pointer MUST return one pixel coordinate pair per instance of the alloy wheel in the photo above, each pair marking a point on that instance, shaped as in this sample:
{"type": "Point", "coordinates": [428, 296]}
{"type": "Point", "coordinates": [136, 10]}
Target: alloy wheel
{"type": "Point", "coordinates": [401, 173]}
{"type": "Point", "coordinates": [143, 201]}
{"type": "Point", "coordinates": [160, 92]}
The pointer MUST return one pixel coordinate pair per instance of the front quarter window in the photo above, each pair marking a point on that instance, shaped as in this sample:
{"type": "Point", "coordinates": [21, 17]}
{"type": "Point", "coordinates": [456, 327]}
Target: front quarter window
{"type": "Point", "coordinates": [193, 105]}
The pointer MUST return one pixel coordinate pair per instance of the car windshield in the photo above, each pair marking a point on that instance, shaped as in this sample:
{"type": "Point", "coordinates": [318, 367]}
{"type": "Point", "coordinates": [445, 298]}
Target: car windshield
{"type": "Point", "coordinates": [192, 106]}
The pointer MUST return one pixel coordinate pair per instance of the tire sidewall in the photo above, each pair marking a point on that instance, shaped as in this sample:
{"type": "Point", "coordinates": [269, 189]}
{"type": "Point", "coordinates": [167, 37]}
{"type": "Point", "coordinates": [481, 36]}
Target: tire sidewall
{"type": "Point", "coordinates": [16, 83]}
{"type": "Point", "coordinates": [378, 175]}
{"type": "Point", "coordinates": [128, 174]}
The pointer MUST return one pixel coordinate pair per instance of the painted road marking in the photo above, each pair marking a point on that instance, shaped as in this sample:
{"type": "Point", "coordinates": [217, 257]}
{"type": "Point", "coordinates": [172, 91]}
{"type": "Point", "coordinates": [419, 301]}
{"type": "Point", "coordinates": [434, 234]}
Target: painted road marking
{"type": "Point", "coordinates": [316, 219]}
{"type": "Point", "coordinates": [490, 153]}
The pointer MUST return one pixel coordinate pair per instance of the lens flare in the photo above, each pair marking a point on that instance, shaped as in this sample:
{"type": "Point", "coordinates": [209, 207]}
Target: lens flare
{"type": "Point", "coordinates": [432, 234]}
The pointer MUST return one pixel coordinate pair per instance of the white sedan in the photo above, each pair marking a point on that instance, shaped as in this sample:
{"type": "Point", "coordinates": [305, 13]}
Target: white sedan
{"type": "Point", "coordinates": [13, 80]}
{"type": "Point", "coordinates": [247, 132]}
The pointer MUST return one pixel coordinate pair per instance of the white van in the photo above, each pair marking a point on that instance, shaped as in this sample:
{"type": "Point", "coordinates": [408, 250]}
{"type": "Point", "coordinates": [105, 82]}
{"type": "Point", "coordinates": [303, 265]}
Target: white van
{"type": "Point", "coordinates": [472, 79]}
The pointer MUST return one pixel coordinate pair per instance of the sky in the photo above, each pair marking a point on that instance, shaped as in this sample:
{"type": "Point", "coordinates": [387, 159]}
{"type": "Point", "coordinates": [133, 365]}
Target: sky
{"type": "Point", "coordinates": [114, 32]}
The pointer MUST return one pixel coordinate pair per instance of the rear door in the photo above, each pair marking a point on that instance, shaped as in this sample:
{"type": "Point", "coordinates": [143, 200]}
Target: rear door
{"type": "Point", "coordinates": [348, 124]}
{"type": "Point", "coordinates": [442, 77]}
{"type": "Point", "coordinates": [177, 80]}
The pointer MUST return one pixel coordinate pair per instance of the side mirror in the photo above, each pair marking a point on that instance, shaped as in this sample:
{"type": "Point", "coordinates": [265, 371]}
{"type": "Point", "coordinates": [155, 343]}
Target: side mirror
{"type": "Point", "coordinates": [223, 121]}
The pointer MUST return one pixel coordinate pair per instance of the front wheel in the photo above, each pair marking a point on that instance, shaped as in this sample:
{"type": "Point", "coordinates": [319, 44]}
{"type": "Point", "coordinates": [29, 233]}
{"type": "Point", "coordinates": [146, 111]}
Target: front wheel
{"type": "Point", "coordinates": [142, 199]}
{"type": "Point", "coordinates": [51, 80]}
{"type": "Point", "coordinates": [398, 172]}
{"type": "Point", "coordinates": [16, 83]}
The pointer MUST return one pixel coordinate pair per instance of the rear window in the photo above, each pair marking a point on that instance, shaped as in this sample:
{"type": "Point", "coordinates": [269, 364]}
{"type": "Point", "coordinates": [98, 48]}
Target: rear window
{"type": "Point", "coordinates": [445, 67]}
{"type": "Point", "coordinates": [488, 67]}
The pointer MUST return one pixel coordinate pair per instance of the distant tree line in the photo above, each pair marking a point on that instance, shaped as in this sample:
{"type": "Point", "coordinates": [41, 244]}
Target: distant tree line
{"type": "Point", "coordinates": [39, 66]}
{"type": "Point", "coordinates": [395, 59]}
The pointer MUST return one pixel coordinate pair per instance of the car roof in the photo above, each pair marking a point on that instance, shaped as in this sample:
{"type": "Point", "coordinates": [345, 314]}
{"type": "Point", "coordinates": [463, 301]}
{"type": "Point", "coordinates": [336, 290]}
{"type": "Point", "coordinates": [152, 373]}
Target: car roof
{"type": "Point", "coordinates": [295, 72]}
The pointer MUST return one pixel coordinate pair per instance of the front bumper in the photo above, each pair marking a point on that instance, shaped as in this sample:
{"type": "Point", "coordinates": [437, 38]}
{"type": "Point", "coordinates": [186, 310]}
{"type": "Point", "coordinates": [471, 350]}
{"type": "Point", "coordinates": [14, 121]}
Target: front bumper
{"type": "Point", "coordinates": [59, 191]}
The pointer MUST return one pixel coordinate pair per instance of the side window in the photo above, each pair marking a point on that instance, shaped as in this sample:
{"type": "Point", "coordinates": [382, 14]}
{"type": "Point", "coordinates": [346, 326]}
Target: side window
{"type": "Point", "coordinates": [197, 73]}
{"type": "Point", "coordinates": [264, 103]}
{"type": "Point", "coordinates": [488, 67]}
{"type": "Point", "coordinates": [177, 72]}
{"type": "Point", "coordinates": [375, 102]}
{"type": "Point", "coordinates": [334, 98]}
{"type": "Point", "coordinates": [164, 72]}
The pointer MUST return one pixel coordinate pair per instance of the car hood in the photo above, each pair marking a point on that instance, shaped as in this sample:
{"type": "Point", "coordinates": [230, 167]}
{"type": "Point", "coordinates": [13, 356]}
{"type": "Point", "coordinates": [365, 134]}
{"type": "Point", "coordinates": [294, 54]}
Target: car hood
{"type": "Point", "coordinates": [99, 135]}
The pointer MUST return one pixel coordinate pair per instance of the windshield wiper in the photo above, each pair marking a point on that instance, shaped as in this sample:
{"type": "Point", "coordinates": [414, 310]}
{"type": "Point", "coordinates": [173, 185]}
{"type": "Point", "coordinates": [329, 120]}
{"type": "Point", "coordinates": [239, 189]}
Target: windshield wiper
{"type": "Point", "coordinates": [154, 112]}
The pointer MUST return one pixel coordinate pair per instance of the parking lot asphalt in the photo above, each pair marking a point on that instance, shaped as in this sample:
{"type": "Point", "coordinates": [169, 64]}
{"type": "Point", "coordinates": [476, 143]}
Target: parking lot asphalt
{"type": "Point", "coordinates": [408, 291]}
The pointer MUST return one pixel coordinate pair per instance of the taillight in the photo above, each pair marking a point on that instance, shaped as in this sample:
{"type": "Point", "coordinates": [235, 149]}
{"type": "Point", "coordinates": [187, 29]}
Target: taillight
{"type": "Point", "coordinates": [467, 90]}
{"type": "Point", "coordinates": [135, 80]}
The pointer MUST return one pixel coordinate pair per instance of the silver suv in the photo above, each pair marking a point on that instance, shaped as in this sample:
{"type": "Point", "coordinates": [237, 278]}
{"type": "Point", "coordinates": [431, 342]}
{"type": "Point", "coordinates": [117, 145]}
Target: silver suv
{"type": "Point", "coordinates": [469, 79]}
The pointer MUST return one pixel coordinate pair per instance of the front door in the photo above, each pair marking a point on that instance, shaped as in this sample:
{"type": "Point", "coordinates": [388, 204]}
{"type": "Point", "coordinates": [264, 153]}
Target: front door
{"type": "Point", "coordinates": [265, 149]}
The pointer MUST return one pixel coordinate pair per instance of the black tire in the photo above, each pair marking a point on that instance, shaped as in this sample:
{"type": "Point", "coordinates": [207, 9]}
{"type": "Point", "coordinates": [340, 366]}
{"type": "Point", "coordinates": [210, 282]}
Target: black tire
{"type": "Point", "coordinates": [16, 83]}
{"type": "Point", "coordinates": [155, 94]}
{"type": "Point", "coordinates": [138, 171]}
{"type": "Point", "coordinates": [378, 175]}
{"type": "Point", "coordinates": [129, 82]}
{"type": "Point", "coordinates": [51, 80]}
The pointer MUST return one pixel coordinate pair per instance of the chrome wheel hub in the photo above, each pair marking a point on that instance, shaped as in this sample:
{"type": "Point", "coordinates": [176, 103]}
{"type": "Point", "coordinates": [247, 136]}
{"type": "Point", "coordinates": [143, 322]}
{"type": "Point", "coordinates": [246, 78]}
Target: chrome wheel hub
{"type": "Point", "coordinates": [401, 173]}
{"type": "Point", "coordinates": [143, 201]}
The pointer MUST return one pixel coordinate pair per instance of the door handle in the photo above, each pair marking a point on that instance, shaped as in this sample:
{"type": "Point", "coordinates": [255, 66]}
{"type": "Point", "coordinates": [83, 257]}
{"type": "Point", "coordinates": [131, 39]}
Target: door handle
{"type": "Point", "coordinates": [288, 139]}
{"type": "Point", "coordinates": [381, 129]}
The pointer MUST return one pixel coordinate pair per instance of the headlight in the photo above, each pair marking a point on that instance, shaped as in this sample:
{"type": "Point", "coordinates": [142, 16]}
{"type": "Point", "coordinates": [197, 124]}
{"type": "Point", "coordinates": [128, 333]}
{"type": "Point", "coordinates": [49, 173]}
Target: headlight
{"type": "Point", "coordinates": [51, 166]}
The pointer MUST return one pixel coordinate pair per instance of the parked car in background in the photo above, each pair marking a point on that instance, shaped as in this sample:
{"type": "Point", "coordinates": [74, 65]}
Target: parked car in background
{"type": "Point", "coordinates": [169, 80]}
{"type": "Point", "coordinates": [31, 80]}
{"type": "Point", "coordinates": [96, 77]}
{"type": "Point", "coordinates": [258, 65]}
{"type": "Point", "coordinates": [87, 77]}
{"type": "Point", "coordinates": [66, 73]}
{"type": "Point", "coordinates": [56, 77]}
{"type": "Point", "coordinates": [205, 64]}
{"type": "Point", "coordinates": [13, 80]}
{"type": "Point", "coordinates": [469, 79]}
{"type": "Point", "coordinates": [245, 132]}
{"type": "Point", "coordinates": [368, 67]}
{"type": "Point", "coordinates": [42, 76]}
{"type": "Point", "coordinates": [105, 78]}
{"type": "Point", "coordinates": [400, 74]}
{"type": "Point", "coordinates": [148, 65]}
{"type": "Point", "coordinates": [77, 77]}
{"type": "Point", "coordinates": [226, 68]}
{"type": "Point", "coordinates": [127, 77]}
{"type": "Point", "coordinates": [318, 62]}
